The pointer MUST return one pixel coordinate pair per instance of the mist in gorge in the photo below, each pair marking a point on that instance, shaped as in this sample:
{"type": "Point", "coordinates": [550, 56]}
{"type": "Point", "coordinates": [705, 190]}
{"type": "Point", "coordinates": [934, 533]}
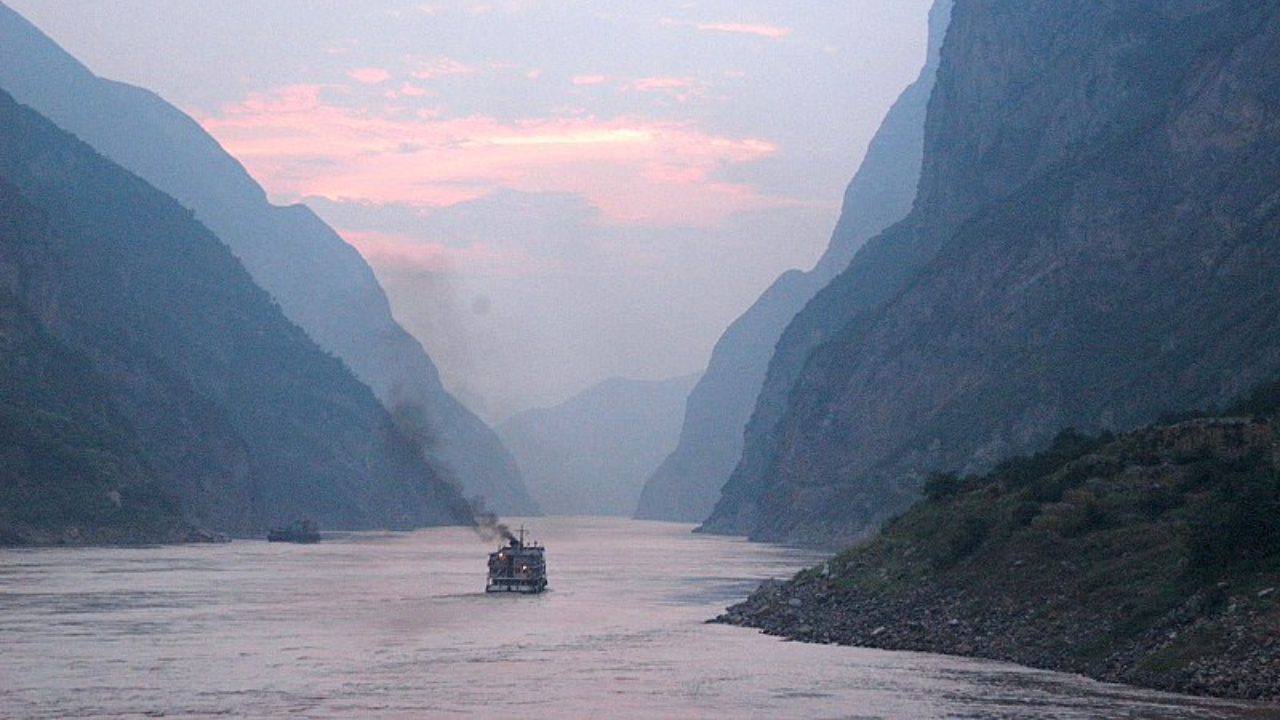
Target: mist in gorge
{"type": "Point", "coordinates": [406, 358]}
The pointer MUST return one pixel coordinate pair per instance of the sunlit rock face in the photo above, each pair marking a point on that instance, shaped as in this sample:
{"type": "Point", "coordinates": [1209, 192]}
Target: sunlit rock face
{"type": "Point", "coordinates": [687, 484]}
{"type": "Point", "coordinates": [1094, 243]}
{"type": "Point", "coordinates": [321, 283]}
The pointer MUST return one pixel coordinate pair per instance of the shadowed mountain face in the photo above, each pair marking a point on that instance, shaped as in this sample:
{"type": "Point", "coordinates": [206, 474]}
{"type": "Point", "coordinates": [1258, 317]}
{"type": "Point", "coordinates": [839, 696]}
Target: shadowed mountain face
{"type": "Point", "coordinates": [70, 471]}
{"type": "Point", "coordinates": [687, 484]}
{"type": "Point", "coordinates": [1094, 242]}
{"type": "Point", "coordinates": [320, 281]}
{"type": "Point", "coordinates": [143, 363]}
{"type": "Point", "coordinates": [591, 454]}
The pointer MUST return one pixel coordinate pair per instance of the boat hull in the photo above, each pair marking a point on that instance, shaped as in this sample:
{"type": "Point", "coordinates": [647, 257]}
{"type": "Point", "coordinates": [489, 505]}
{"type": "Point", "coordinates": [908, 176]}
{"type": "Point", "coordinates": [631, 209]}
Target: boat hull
{"type": "Point", "coordinates": [293, 538]}
{"type": "Point", "coordinates": [522, 588]}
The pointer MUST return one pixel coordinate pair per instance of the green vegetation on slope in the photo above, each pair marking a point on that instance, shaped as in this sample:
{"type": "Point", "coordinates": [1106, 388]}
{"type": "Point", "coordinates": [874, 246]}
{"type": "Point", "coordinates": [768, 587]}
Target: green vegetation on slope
{"type": "Point", "coordinates": [64, 482]}
{"type": "Point", "coordinates": [70, 469]}
{"type": "Point", "coordinates": [1151, 557]}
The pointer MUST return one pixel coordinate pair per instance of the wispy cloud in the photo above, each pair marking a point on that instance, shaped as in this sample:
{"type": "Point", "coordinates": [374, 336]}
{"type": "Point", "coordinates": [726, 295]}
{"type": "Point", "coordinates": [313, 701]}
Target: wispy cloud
{"type": "Point", "coordinates": [473, 7]}
{"type": "Point", "coordinates": [764, 30]}
{"type": "Point", "coordinates": [662, 83]}
{"type": "Point", "coordinates": [680, 89]}
{"type": "Point", "coordinates": [427, 68]}
{"type": "Point", "coordinates": [300, 143]}
{"type": "Point", "coordinates": [370, 75]}
{"type": "Point", "coordinates": [760, 29]}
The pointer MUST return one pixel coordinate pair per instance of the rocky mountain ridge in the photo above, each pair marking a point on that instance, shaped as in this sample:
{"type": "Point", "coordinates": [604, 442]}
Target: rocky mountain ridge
{"type": "Point", "coordinates": [142, 357]}
{"type": "Point", "coordinates": [687, 484]}
{"type": "Point", "coordinates": [1092, 245]}
{"type": "Point", "coordinates": [322, 283]}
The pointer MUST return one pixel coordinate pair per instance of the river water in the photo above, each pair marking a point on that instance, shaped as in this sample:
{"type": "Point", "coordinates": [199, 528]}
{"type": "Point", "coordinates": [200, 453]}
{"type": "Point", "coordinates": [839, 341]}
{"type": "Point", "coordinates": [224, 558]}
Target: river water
{"type": "Point", "coordinates": [397, 625]}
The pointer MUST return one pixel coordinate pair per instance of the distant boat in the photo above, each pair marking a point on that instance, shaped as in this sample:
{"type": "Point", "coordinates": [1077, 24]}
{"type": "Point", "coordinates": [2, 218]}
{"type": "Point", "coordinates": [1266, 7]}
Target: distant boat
{"type": "Point", "coordinates": [300, 531]}
{"type": "Point", "coordinates": [518, 567]}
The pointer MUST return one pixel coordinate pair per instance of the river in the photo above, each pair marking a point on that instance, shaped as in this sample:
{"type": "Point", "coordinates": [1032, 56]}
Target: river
{"type": "Point", "coordinates": [397, 625]}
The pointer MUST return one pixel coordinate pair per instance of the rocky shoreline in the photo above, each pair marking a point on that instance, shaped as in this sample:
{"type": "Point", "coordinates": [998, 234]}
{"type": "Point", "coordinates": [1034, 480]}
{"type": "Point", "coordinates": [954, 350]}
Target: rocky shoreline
{"type": "Point", "coordinates": [1240, 658]}
{"type": "Point", "coordinates": [1151, 559]}
{"type": "Point", "coordinates": [77, 536]}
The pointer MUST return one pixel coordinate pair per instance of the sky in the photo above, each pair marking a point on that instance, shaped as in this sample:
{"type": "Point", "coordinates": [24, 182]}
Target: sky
{"type": "Point", "coordinates": [552, 192]}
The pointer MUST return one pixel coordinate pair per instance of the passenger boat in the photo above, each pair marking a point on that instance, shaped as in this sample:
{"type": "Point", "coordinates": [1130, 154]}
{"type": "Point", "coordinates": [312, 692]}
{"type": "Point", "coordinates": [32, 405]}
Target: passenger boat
{"type": "Point", "coordinates": [299, 531]}
{"type": "Point", "coordinates": [517, 567]}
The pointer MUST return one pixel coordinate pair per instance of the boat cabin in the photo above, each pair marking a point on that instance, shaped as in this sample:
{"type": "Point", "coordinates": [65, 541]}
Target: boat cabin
{"type": "Point", "coordinates": [517, 567]}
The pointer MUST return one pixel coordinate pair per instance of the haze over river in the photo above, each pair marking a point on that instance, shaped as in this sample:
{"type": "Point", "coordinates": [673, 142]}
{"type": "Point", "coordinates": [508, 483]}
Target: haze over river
{"type": "Point", "coordinates": [398, 625]}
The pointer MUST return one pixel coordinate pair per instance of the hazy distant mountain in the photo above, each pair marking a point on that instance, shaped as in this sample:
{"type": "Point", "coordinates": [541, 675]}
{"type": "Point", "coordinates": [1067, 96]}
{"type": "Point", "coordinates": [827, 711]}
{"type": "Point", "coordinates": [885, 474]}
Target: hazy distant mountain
{"type": "Point", "coordinates": [320, 281]}
{"type": "Point", "coordinates": [1095, 241]}
{"type": "Point", "coordinates": [687, 484]}
{"type": "Point", "coordinates": [140, 356]}
{"type": "Point", "coordinates": [591, 454]}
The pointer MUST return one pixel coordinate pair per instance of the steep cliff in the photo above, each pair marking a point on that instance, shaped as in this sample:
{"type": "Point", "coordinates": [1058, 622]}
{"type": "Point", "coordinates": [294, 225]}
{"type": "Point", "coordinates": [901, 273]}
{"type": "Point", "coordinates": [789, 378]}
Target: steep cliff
{"type": "Point", "coordinates": [591, 454]}
{"type": "Point", "coordinates": [687, 484]}
{"type": "Point", "coordinates": [320, 281]}
{"type": "Point", "coordinates": [191, 375]}
{"type": "Point", "coordinates": [69, 471]}
{"type": "Point", "coordinates": [1093, 243]}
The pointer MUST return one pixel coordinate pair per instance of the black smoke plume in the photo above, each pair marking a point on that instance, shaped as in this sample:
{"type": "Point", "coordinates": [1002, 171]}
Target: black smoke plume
{"type": "Point", "coordinates": [412, 422]}
{"type": "Point", "coordinates": [488, 525]}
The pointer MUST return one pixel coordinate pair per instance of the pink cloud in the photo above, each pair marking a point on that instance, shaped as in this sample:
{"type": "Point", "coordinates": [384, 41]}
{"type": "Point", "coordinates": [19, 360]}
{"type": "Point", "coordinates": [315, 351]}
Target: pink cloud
{"type": "Point", "coordinates": [387, 250]}
{"type": "Point", "coordinates": [741, 28]}
{"type": "Point", "coordinates": [633, 169]}
{"type": "Point", "coordinates": [369, 75]}
{"type": "Point", "coordinates": [662, 83]}
{"type": "Point", "coordinates": [760, 29]}
{"type": "Point", "coordinates": [286, 99]}
{"type": "Point", "coordinates": [589, 79]}
{"type": "Point", "coordinates": [677, 88]}
{"type": "Point", "coordinates": [406, 90]}
{"type": "Point", "coordinates": [398, 253]}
